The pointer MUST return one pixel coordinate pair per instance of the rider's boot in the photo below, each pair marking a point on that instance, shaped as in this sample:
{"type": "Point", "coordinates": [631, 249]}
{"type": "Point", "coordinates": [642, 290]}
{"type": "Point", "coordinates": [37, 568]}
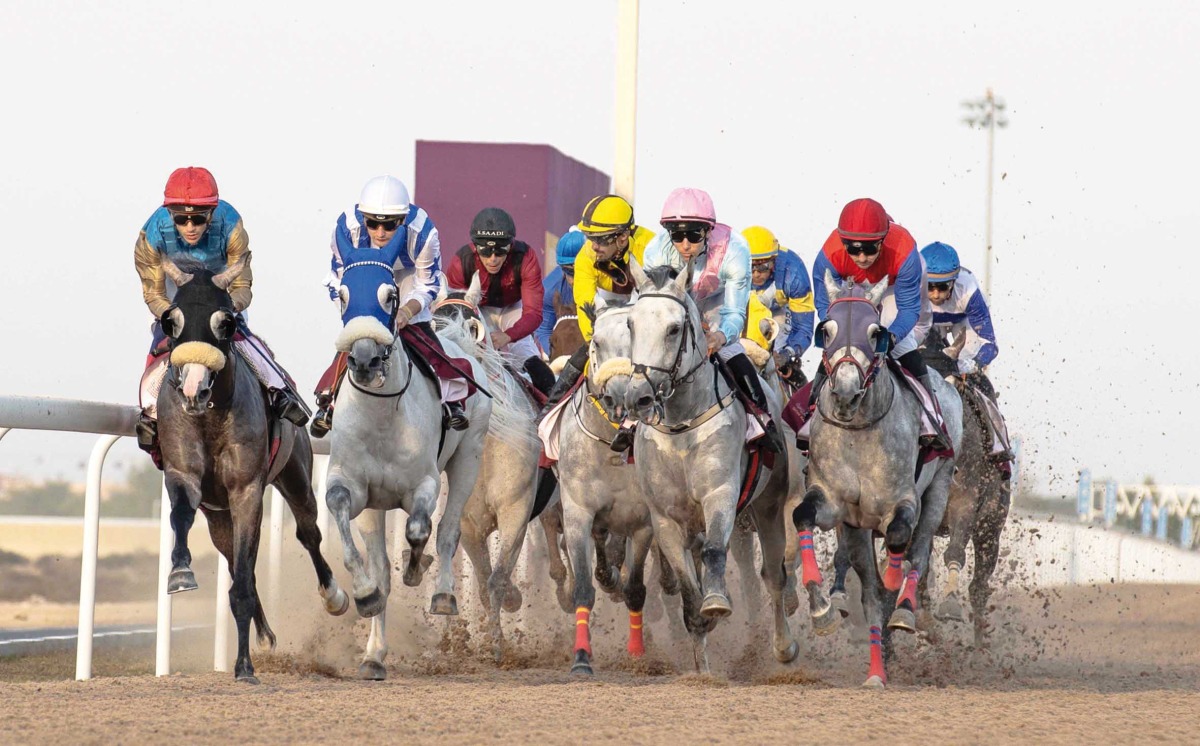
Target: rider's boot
{"type": "Point", "coordinates": [322, 421]}
{"type": "Point", "coordinates": [539, 373]}
{"type": "Point", "coordinates": [566, 379]}
{"type": "Point", "coordinates": [546, 484]}
{"type": "Point", "coordinates": [915, 364]}
{"type": "Point", "coordinates": [147, 437]}
{"type": "Point", "coordinates": [813, 391]}
{"type": "Point", "coordinates": [456, 416]}
{"type": "Point", "coordinates": [287, 406]}
{"type": "Point", "coordinates": [747, 379]}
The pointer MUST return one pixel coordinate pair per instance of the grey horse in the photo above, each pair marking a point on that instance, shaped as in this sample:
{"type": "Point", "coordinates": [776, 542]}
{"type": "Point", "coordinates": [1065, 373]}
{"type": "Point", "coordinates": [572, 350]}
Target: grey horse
{"type": "Point", "coordinates": [216, 449]}
{"type": "Point", "coordinates": [863, 466]}
{"type": "Point", "coordinates": [389, 449]}
{"type": "Point", "coordinates": [691, 457]}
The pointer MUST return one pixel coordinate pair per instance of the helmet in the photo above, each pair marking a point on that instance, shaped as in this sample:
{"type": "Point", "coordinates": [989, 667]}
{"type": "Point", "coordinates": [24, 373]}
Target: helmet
{"type": "Point", "coordinates": [941, 262]}
{"type": "Point", "coordinates": [606, 214]}
{"type": "Point", "coordinates": [568, 247]}
{"type": "Point", "coordinates": [686, 205]}
{"type": "Point", "coordinates": [384, 197]}
{"type": "Point", "coordinates": [492, 226]}
{"type": "Point", "coordinates": [190, 188]}
{"type": "Point", "coordinates": [863, 220]}
{"type": "Point", "coordinates": [763, 244]}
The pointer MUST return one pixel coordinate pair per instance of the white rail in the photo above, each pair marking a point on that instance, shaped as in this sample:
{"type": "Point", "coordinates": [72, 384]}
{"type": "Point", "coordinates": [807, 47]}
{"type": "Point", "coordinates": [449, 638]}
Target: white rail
{"type": "Point", "coordinates": [1153, 505]}
{"type": "Point", "coordinates": [112, 422]}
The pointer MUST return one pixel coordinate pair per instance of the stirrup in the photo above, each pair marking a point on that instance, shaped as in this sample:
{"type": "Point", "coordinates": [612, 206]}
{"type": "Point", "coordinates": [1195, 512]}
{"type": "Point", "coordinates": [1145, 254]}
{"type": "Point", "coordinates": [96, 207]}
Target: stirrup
{"type": "Point", "coordinates": [456, 416]}
{"type": "Point", "coordinates": [322, 422]}
{"type": "Point", "coordinates": [772, 439]}
{"type": "Point", "coordinates": [147, 438]}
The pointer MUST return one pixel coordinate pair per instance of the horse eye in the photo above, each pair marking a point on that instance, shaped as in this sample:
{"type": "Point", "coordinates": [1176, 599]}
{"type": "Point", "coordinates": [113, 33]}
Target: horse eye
{"type": "Point", "coordinates": [221, 323]}
{"type": "Point", "coordinates": [672, 330]}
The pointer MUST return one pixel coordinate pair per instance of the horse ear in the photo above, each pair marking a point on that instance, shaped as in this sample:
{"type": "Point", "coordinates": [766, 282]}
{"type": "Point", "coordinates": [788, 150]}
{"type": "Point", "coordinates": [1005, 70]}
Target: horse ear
{"type": "Point", "coordinates": [589, 310]}
{"type": "Point", "coordinates": [681, 280]}
{"type": "Point", "coordinates": [637, 273]}
{"type": "Point", "coordinates": [232, 272]}
{"type": "Point", "coordinates": [875, 294]}
{"type": "Point", "coordinates": [832, 288]}
{"type": "Point", "coordinates": [178, 276]}
{"type": "Point", "coordinates": [475, 292]}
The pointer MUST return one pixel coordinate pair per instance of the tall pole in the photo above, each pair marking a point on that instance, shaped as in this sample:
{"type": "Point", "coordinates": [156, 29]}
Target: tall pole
{"type": "Point", "coordinates": [627, 50]}
{"type": "Point", "coordinates": [987, 112]}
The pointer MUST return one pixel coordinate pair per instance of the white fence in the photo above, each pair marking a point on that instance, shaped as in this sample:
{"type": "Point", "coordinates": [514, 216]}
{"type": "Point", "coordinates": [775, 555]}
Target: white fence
{"type": "Point", "coordinates": [1151, 505]}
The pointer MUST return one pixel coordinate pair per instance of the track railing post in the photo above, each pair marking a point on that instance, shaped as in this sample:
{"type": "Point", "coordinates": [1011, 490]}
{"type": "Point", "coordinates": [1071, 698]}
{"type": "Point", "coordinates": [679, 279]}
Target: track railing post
{"type": "Point", "coordinates": [275, 569]}
{"type": "Point", "coordinates": [221, 617]}
{"type": "Point", "coordinates": [91, 548]}
{"type": "Point", "coordinates": [166, 540]}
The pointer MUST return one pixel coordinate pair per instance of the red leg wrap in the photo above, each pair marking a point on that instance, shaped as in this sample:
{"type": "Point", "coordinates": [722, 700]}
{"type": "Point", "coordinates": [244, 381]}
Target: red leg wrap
{"type": "Point", "coordinates": [583, 636]}
{"type": "Point", "coordinates": [895, 571]}
{"type": "Point", "coordinates": [810, 572]}
{"type": "Point", "coordinates": [636, 646]}
{"type": "Point", "coordinates": [877, 655]}
{"type": "Point", "coordinates": [909, 593]}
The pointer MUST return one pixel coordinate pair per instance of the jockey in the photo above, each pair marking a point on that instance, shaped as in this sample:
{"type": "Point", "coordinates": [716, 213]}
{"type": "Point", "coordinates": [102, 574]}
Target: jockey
{"type": "Point", "coordinates": [194, 224]}
{"type": "Point", "coordinates": [602, 274]}
{"type": "Point", "coordinates": [781, 281]}
{"type": "Point", "coordinates": [385, 214]}
{"type": "Point", "coordinates": [510, 280]}
{"type": "Point", "coordinates": [868, 246]}
{"type": "Point", "coordinates": [719, 261]}
{"type": "Point", "coordinates": [559, 284]}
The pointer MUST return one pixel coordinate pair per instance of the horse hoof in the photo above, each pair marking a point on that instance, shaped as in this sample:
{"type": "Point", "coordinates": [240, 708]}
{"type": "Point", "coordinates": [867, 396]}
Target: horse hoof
{"type": "Point", "coordinates": [903, 619]}
{"type": "Point", "coordinates": [512, 600]}
{"type": "Point", "coordinates": [413, 575]}
{"type": "Point", "coordinates": [181, 580]}
{"type": "Point", "coordinates": [582, 665]}
{"type": "Point", "coordinates": [565, 601]}
{"type": "Point", "coordinates": [716, 606]}
{"type": "Point", "coordinates": [339, 604]}
{"type": "Point", "coordinates": [371, 604]}
{"type": "Point", "coordinates": [372, 671]}
{"type": "Point", "coordinates": [248, 678]}
{"type": "Point", "coordinates": [788, 655]}
{"type": "Point", "coordinates": [443, 604]}
{"type": "Point", "coordinates": [950, 610]}
{"type": "Point", "coordinates": [791, 600]}
{"type": "Point", "coordinates": [840, 603]}
{"type": "Point", "coordinates": [874, 682]}
{"type": "Point", "coordinates": [827, 622]}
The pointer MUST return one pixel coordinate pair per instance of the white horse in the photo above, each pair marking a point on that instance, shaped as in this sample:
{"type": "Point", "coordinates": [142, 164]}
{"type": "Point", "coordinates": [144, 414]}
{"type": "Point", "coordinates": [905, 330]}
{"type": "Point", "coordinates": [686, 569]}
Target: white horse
{"type": "Point", "coordinates": [388, 451]}
{"type": "Point", "coordinates": [504, 494]}
{"type": "Point", "coordinates": [691, 457]}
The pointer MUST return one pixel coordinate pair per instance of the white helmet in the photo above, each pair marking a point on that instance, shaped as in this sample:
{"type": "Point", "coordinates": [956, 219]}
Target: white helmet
{"type": "Point", "coordinates": [384, 196]}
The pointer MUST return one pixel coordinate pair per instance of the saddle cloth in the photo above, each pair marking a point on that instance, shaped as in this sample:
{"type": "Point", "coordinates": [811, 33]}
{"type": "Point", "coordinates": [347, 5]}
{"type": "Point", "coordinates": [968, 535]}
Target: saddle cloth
{"type": "Point", "coordinates": [798, 415]}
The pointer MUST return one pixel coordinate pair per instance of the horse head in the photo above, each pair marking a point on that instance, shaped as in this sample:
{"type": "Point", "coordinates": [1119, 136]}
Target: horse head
{"type": "Point", "coordinates": [200, 324]}
{"type": "Point", "coordinates": [609, 369]}
{"type": "Point", "coordinates": [369, 301]}
{"type": "Point", "coordinates": [666, 338]}
{"type": "Point", "coordinates": [462, 306]}
{"type": "Point", "coordinates": [855, 341]}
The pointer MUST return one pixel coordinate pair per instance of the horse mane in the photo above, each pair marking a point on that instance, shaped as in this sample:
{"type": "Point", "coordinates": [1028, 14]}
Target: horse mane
{"type": "Point", "coordinates": [510, 410]}
{"type": "Point", "coordinates": [661, 275]}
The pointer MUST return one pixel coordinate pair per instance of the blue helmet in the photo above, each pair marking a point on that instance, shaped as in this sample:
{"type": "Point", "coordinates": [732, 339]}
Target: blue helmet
{"type": "Point", "coordinates": [941, 262]}
{"type": "Point", "coordinates": [568, 247]}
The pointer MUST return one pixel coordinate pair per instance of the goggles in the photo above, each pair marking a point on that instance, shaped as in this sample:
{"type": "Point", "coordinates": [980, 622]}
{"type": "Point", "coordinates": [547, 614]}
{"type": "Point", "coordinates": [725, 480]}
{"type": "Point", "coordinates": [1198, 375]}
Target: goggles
{"type": "Point", "coordinates": [196, 219]}
{"type": "Point", "coordinates": [610, 239]}
{"type": "Point", "coordinates": [389, 224]}
{"type": "Point", "coordinates": [942, 287]}
{"type": "Point", "coordinates": [692, 236]}
{"type": "Point", "coordinates": [489, 251]}
{"type": "Point", "coordinates": [866, 248]}
{"type": "Point", "coordinates": [762, 265]}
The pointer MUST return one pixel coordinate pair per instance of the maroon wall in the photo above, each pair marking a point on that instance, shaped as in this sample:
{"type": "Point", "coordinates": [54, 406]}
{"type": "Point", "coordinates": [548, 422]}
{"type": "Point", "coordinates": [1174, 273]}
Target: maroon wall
{"type": "Point", "coordinates": [544, 190]}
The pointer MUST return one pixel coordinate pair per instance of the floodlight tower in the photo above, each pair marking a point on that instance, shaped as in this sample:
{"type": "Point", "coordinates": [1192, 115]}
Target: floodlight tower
{"type": "Point", "coordinates": [987, 112]}
{"type": "Point", "coordinates": [627, 52]}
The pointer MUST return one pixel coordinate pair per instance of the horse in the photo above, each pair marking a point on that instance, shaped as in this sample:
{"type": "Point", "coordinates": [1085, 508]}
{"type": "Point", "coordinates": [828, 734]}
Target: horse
{"type": "Point", "coordinates": [690, 457]}
{"type": "Point", "coordinates": [388, 449]}
{"type": "Point", "coordinates": [979, 500]}
{"type": "Point", "coordinates": [863, 465]}
{"type": "Point", "coordinates": [566, 336]}
{"type": "Point", "coordinates": [599, 494]}
{"type": "Point", "coordinates": [218, 454]}
{"type": "Point", "coordinates": [504, 493]}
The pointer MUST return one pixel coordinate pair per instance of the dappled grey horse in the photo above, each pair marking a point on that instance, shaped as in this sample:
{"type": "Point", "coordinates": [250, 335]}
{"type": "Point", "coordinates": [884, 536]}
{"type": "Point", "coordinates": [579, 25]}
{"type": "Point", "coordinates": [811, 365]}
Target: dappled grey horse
{"type": "Point", "coordinates": [218, 456]}
{"type": "Point", "coordinates": [862, 468]}
{"type": "Point", "coordinates": [504, 492]}
{"type": "Point", "coordinates": [389, 449]}
{"type": "Point", "coordinates": [690, 453]}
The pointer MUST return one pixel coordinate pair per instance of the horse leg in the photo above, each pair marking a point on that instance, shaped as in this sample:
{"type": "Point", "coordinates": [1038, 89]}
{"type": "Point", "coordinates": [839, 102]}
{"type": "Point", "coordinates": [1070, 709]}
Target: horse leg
{"type": "Point", "coordinates": [741, 547]}
{"type": "Point", "coordinates": [862, 557]}
{"type": "Point", "coordinates": [772, 538]}
{"type": "Point", "coordinates": [668, 580]}
{"type": "Point", "coordinates": [295, 484]}
{"type": "Point", "coordinates": [675, 548]}
{"type": "Point", "coordinates": [986, 540]}
{"type": "Point", "coordinates": [577, 527]}
{"type": "Point", "coordinates": [897, 538]}
{"type": "Point", "coordinates": [340, 500]}
{"type": "Point", "coordinates": [814, 510]}
{"type": "Point", "coordinates": [475, 542]}
{"type": "Point", "coordinates": [960, 517]}
{"type": "Point", "coordinates": [551, 520]}
{"type": "Point", "coordinates": [718, 526]}
{"type": "Point", "coordinates": [933, 510]}
{"type": "Point", "coordinates": [419, 527]}
{"type": "Point", "coordinates": [372, 525]}
{"type": "Point", "coordinates": [461, 473]}
{"type": "Point", "coordinates": [841, 566]}
{"type": "Point", "coordinates": [607, 575]}
{"type": "Point", "coordinates": [505, 596]}
{"type": "Point", "coordinates": [246, 516]}
{"type": "Point", "coordinates": [635, 589]}
{"type": "Point", "coordinates": [185, 496]}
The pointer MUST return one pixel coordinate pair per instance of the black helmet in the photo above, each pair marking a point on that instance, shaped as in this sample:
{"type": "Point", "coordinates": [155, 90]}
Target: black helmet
{"type": "Point", "coordinates": [492, 227]}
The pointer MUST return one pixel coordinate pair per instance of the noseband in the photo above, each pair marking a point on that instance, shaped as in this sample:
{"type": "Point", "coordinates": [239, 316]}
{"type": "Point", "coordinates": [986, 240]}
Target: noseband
{"type": "Point", "coordinates": [673, 378]}
{"type": "Point", "coordinates": [867, 375]}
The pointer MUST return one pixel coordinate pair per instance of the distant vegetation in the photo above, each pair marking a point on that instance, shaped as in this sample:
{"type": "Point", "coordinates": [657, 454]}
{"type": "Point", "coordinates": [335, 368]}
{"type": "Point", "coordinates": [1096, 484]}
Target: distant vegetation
{"type": "Point", "coordinates": [135, 498]}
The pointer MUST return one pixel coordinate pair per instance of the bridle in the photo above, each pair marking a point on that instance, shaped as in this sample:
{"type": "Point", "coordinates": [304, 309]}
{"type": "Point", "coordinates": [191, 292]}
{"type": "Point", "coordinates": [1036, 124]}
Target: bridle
{"type": "Point", "coordinates": [386, 355]}
{"type": "Point", "coordinates": [867, 375]}
{"type": "Point", "coordinates": [673, 379]}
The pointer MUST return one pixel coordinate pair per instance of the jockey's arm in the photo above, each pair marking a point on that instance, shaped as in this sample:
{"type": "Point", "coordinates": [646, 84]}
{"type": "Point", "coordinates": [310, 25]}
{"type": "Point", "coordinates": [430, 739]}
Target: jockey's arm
{"type": "Point", "coordinates": [531, 296]}
{"type": "Point", "coordinates": [239, 290]}
{"type": "Point", "coordinates": [146, 260]}
{"type": "Point", "coordinates": [981, 338]}
{"type": "Point", "coordinates": [549, 314]}
{"type": "Point", "coordinates": [798, 297]}
{"type": "Point", "coordinates": [735, 273]}
{"type": "Point", "coordinates": [908, 296]}
{"type": "Point", "coordinates": [821, 266]}
{"type": "Point", "coordinates": [425, 248]}
{"type": "Point", "coordinates": [585, 287]}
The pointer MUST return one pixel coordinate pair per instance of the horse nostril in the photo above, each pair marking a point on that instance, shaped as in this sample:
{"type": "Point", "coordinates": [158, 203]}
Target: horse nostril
{"type": "Point", "coordinates": [608, 400]}
{"type": "Point", "coordinates": [644, 402]}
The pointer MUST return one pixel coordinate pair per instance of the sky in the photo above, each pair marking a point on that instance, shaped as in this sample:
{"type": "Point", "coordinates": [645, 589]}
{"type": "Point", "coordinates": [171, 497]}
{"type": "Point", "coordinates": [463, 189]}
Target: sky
{"type": "Point", "coordinates": [782, 111]}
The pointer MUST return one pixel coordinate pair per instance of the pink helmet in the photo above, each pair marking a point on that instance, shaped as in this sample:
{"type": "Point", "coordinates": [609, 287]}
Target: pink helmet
{"type": "Point", "coordinates": [687, 205]}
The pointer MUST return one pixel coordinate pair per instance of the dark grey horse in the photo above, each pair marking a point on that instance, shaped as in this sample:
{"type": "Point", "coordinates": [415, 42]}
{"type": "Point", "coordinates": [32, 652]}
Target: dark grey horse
{"type": "Point", "coordinates": [863, 466]}
{"type": "Point", "coordinates": [216, 449]}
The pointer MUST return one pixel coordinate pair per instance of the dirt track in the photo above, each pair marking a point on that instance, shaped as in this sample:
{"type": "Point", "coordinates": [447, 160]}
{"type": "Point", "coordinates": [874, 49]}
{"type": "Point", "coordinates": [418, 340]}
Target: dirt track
{"type": "Point", "coordinates": [1066, 665]}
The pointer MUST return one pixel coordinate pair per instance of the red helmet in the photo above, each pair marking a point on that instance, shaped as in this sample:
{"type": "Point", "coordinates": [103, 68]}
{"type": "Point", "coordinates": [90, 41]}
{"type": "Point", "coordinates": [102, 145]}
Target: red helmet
{"type": "Point", "coordinates": [863, 220]}
{"type": "Point", "coordinates": [190, 187]}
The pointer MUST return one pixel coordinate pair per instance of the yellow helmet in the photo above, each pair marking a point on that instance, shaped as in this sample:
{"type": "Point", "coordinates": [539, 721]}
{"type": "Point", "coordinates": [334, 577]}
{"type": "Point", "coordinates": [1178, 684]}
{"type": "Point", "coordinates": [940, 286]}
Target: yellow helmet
{"type": "Point", "coordinates": [606, 214]}
{"type": "Point", "coordinates": [763, 244]}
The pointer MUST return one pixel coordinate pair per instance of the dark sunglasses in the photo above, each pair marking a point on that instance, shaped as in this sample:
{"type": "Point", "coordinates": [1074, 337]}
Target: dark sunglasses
{"type": "Point", "coordinates": [387, 225]}
{"type": "Point", "coordinates": [490, 251]}
{"type": "Point", "coordinates": [868, 248]}
{"type": "Point", "coordinates": [691, 236]}
{"type": "Point", "coordinates": [610, 239]}
{"type": "Point", "coordinates": [568, 271]}
{"type": "Point", "coordinates": [763, 266]}
{"type": "Point", "coordinates": [941, 287]}
{"type": "Point", "coordinates": [198, 219]}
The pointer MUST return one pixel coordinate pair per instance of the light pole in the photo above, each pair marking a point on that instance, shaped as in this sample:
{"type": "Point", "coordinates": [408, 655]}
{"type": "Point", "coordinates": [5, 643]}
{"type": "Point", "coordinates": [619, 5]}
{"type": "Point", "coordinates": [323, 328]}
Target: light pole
{"type": "Point", "coordinates": [987, 112]}
{"type": "Point", "coordinates": [626, 124]}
